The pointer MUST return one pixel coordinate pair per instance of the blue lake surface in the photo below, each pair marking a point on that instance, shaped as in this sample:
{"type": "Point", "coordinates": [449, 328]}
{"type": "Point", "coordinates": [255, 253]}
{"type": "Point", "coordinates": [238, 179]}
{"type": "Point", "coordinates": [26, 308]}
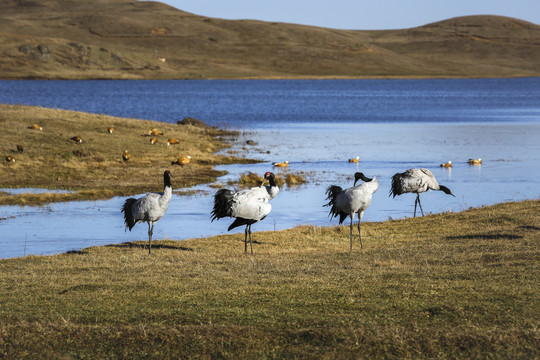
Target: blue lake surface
{"type": "Point", "coordinates": [392, 125]}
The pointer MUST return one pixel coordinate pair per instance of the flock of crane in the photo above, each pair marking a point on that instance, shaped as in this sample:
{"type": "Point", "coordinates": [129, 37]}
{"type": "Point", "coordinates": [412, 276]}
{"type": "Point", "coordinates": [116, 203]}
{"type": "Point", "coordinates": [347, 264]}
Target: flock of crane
{"type": "Point", "coordinates": [252, 205]}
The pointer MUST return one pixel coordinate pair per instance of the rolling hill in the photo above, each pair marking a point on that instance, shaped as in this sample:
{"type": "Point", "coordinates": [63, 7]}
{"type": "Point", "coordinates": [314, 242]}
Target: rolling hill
{"type": "Point", "coordinates": [128, 39]}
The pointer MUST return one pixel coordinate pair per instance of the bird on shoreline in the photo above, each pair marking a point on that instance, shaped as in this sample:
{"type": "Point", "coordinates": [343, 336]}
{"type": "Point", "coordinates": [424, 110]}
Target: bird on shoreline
{"type": "Point", "coordinates": [36, 127]}
{"type": "Point", "coordinates": [77, 139]}
{"type": "Point", "coordinates": [153, 140]}
{"type": "Point", "coordinates": [246, 206]}
{"type": "Point", "coordinates": [183, 160]}
{"type": "Point", "coordinates": [126, 156]}
{"type": "Point", "coordinates": [155, 132]}
{"type": "Point", "coordinates": [351, 201]}
{"type": "Point", "coordinates": [20, 148]}
{"type": "Point", "coordinates": [416, 181]}
{"type": "Point", "coordinates": [173, 141]}
{"type": "Point", "coordinates": [149, 208]}
{"type": "Point", "coordinates": [110, 130]}
{"type": "Point", "coordinates": [10, 158]}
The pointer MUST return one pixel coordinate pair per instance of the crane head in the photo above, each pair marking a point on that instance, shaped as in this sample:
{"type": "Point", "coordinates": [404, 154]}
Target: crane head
{"type": "Point", "coordinates": [360, 176]}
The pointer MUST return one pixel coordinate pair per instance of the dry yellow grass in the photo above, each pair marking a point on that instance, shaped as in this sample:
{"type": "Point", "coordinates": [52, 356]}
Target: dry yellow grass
{"type": "Point", "coordinates": [129, 39]}
{"type": "Point", "coordinates": [458, 285]}
{"type": "Point", "coordinates": [52, 160]}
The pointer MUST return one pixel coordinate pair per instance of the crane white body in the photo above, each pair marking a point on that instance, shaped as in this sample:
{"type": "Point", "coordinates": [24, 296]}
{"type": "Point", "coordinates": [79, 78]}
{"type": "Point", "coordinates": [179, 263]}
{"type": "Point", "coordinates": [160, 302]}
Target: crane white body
{"type": "Point", "coordinates": [246, 206]}
{"type": "Point", "coordinates": [352, 201]}
{"type": "Point", "coordinates": [149, 208]}
{"type": "Point", "coordinates": [416, 181]}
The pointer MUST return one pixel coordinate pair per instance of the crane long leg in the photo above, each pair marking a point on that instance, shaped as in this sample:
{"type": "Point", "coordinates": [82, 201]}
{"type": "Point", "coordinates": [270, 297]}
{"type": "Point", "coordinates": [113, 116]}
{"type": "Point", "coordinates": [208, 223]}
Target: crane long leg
{"type": "Point", "coordinates": [415, 201]}
{"type": "Point", "coordinates": [250, 242]}
{"type": "Point", "coordinates": [245, 239]}
{"type": "Point", "coordinates": [419, 203]}
{"type": "Point", "coordinates": [351, 229]}
{"type": "Point", "coordinates": [359, 233]}
{"type": "Point", "coordinates": [150, 232]}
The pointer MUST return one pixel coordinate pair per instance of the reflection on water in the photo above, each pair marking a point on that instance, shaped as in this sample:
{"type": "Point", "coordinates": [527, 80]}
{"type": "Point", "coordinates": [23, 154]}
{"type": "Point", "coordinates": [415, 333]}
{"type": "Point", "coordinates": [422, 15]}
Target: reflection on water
{"type": "Point", "coordinates": [510, 154]}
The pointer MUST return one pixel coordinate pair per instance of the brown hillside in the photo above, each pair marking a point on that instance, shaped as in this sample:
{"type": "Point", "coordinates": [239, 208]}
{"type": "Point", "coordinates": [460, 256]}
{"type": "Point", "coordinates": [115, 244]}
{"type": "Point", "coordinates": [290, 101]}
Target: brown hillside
{"type": "Point", "coordinates": [140, 39]}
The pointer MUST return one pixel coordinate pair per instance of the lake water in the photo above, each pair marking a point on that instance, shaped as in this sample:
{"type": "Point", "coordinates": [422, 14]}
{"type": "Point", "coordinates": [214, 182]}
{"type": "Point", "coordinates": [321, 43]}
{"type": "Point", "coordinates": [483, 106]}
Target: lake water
{"type": "Point", "coordinates": [392, 125]}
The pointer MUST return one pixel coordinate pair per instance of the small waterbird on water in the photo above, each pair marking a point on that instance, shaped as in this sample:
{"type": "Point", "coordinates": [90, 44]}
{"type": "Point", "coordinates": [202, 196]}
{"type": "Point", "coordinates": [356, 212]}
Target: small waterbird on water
{"type": "Point", "coordinates": [447, 164]}
{"type": "Point", "coordinates": [246, 206]}
{"type": "Point", "coordinates": [282, 164]}
{"type": "Point", "coordinates": [351, 201]}
{"type": "Point", "coordinates": [416, 181]}
{"type": "Point", "coordinates": [355, 160]}
{"type": "Point", "coordinates": [475, 161]}
{"type": "Point", "coordinates": [149, 208]}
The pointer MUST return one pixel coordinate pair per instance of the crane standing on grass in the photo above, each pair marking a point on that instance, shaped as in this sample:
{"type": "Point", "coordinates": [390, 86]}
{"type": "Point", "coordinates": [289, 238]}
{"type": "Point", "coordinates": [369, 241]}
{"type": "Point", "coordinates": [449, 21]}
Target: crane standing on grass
{"type": "Point", "coordinates": [246, 206]}
{"type": "Point", "coordinates": [149, 208]}
{"type": "Point", "coordinates": [354, 200]}
{"type": "Point", "coordinates": [416, 181]}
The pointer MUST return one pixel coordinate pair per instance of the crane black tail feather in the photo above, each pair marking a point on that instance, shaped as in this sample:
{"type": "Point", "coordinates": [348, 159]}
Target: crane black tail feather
{"type": "Point", "coordinates": [396, 186]}
{"type": "Point", "coordinates": [222, 204]}
{"type": "Point", "coordinates": [127, 209]}
{"type": "Point", "coordinates": [342, 217]}
{"type": "Point", "coordinates": [332, 192]}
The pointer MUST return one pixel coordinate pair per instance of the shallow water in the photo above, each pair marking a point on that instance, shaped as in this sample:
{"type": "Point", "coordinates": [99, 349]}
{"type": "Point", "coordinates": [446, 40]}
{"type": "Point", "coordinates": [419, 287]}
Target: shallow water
{"type": "Point", "coordinates": [504, 136]}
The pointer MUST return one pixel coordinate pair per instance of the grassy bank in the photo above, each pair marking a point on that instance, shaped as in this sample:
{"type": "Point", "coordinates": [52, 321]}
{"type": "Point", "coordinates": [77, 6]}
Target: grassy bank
{"type": "Point", "coordinates": [457, 285]}
{"type": "Point", "coordinates": [94, 168]}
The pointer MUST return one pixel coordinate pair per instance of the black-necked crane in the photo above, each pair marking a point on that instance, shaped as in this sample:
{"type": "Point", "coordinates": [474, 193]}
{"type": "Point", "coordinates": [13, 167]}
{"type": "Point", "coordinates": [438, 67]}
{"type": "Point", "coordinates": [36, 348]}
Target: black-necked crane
{"type": "Point", "coordinates": [416, 181]}
{"type": "Point", "coordinates": [77, 139]}
{"type": "Point", "coordinates": [351, 201]}
{"type": "Point", "coordinates": [182, 160]}
{"type": "Point", "coordinates": [126, 156]}
{"type": "Point", "coordinates": [246, 206]}
{"type": "Point", "coordinates": [173, 141]}
{"type": "Point", "coordinates": [149, 208]}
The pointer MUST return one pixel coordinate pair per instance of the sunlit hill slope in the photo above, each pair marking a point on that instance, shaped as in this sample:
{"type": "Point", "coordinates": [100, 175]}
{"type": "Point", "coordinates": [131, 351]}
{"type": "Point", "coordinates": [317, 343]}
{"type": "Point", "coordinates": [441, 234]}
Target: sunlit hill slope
{"type": "Point", "coordinates": [142, 39]}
